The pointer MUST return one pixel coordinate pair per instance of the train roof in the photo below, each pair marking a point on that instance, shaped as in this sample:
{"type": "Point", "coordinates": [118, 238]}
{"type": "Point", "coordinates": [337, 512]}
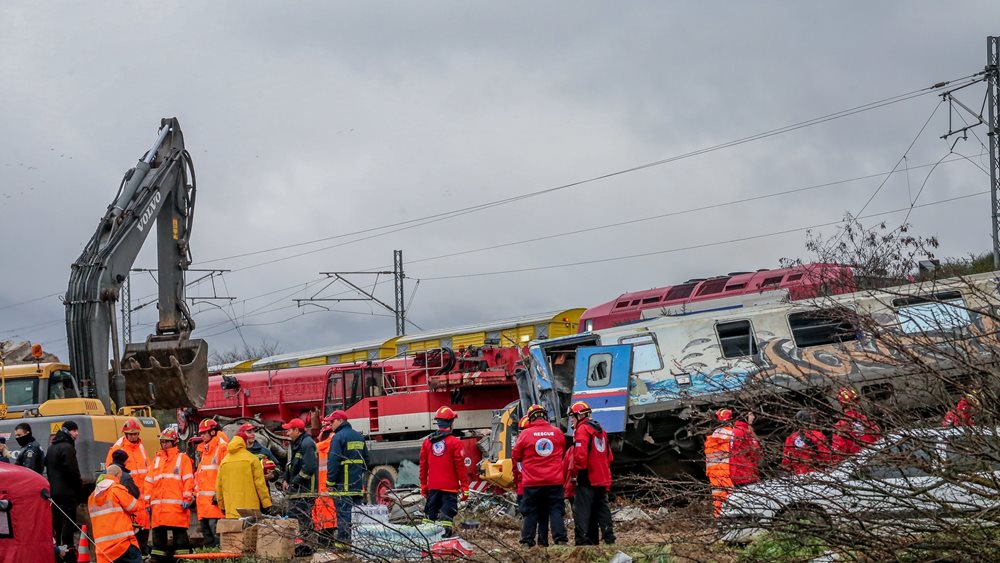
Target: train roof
{"type": "Point", "coordinates": [464, 335]}
{"type": "Point", "coordinates": [328, 351]}
{"type": "Point", "coordinates": [708, 288]}
{"type": "Point", "coordinates": [879, 295]}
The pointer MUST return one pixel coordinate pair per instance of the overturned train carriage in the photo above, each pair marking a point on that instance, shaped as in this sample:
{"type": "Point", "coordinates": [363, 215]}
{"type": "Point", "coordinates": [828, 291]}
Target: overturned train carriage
{"type": "Point", "coordinates": [653, 382]}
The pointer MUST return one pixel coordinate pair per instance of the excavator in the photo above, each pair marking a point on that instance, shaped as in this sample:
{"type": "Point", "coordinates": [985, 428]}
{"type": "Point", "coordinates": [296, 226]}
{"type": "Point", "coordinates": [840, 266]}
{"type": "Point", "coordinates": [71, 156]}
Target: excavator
{"type": "Point", "coordinates": [167, 371]}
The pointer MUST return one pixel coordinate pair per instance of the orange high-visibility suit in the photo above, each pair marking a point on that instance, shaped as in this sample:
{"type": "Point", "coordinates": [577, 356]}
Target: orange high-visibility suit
{"type": "Point", "coordinates": [212, 453]}
{"type": "Point", "coordinates": [324, 514]}
{"type": "Point", "coordinates": [717, 448]}
{"type": "Point", "coordinates": [111, 510]}
{"type": "Point", "coordinates": [169, 486]}
{"type": "Point", "coordinates": [137, 465]}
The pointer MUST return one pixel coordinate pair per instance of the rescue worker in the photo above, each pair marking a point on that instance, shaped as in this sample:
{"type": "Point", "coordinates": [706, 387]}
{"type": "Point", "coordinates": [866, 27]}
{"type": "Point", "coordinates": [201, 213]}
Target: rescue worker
{"type": "Point", "coordinates": [443, 474]}
{"type": "Point", "coordinates": [31, 455]}
{"type": "Point", "coordinates": [211, 451]}
{"type": "Point", "coordinates": [5, 453]}
{"type": "Point", "coordinates": [806, 449]}
{"type": "Point", "coordinates": [267, 458]}
{"type": "Point", "coordinates": [592, 459]}
{"type": "Point", "coordinates": [111, 510]}
{"type": "Point", "coordinates": [345, 470]}
{"type": "Point", "coordinates": [853, 430]}
{"type": "Point", "coordinates": [543, 523]}
{"type": "Point", "coordinates": [240, 483]}
{"type": "Point", "coordinates": [745, 454]}
{"type": "Point", "coordinates": [300, 475]}
{"type": "Point", "coordinates": [732, 453]}
{"type": "Point", "coordinates": [324, 512]}
{"type": "Point", "coordinates": [65, 485]}
{"type": "Point", "coordinates": [137, 465]}
{"type": "Point", "coordinates": [539, 451]}
{"type": "Point", "coordinates": [119, 459]}
{"type": "Point", "coordinates": [170, 495]}
{"type": "Point", "coordinates": [964, 412]}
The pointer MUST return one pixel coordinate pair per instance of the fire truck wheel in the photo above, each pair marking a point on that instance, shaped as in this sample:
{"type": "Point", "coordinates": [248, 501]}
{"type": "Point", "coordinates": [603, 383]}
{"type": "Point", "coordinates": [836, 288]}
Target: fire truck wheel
{"type": "Point", "coordinates": [380, 484]}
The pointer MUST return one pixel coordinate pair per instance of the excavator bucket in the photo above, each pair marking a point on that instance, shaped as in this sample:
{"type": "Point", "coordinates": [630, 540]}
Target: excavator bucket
{"type": "Point", "coordinates": [166, 374]}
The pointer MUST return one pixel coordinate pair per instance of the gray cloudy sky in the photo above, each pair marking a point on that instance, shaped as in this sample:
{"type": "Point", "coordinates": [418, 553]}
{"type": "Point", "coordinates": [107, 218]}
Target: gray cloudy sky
{"type": "Point", "coordinates": [309, 120]}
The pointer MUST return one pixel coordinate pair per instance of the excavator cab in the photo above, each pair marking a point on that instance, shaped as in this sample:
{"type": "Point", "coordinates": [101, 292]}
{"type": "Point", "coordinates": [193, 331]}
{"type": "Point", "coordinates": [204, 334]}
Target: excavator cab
{"type": "Point", "coordinates": [166, 372]}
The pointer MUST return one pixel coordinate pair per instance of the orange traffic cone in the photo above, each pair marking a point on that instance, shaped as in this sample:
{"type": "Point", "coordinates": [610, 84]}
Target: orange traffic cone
{"type": "Point", "coordinates": [83, 552]}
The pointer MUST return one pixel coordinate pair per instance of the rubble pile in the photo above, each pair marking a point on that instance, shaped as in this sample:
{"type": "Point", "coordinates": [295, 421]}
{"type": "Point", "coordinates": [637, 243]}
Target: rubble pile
{"type": "Point", "coordinates": [14, 352]}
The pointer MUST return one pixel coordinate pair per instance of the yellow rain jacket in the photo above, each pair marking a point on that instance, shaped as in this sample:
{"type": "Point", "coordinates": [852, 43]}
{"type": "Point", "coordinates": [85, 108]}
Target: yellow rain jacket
{"type": "Point", "coordinates": [240, 483]}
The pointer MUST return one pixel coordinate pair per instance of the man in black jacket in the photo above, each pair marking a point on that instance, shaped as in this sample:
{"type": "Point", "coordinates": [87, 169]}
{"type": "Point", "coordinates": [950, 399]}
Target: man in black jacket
{"type": "Point", "coordinates": [31, 455]}
{"type": "Point", "coordinates": [65, 484]}
{"type": "Point", "coordinates": [119, 458]}
{"type": "Point", "coordinates": [300, 476]}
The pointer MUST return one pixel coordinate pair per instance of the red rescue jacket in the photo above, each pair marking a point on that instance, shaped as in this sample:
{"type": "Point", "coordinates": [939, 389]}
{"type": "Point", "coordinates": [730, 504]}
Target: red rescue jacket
{"type": "Point", "coordinates": [805, 452]}
{"type": "Point", "coordinates": [744, 455]}
{"type": "Point", "coordinates": [853, 432]}
{"type": "Point", "coordinates": [539, 449]}
{"type": "Point", "coordinates": [442, 463]}
{"type": "Point", "coordinates": [569, 487]}
{"type": "Point", "coordinates": [961, 415]}
{"type": "Point", "coordinates": [592, 455]}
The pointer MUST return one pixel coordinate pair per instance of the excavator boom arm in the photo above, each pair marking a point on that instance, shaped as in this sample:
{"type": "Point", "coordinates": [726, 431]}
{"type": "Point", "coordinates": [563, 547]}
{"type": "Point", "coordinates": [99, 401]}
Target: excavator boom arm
{"type": "Point", "coordinates": [160, 189]}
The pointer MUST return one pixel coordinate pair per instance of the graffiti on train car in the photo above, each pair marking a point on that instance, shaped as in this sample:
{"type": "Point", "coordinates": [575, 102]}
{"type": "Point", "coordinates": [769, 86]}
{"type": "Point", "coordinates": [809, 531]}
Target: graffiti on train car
{"type": "Point", "coordinates": [700, 371]}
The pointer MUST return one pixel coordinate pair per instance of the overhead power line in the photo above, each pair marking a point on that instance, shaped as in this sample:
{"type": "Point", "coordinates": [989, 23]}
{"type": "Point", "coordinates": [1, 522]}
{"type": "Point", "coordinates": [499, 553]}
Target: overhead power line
{"type": "Point", "coordinates": [609, 259]}
{"type": "Point", "coordinates": [693, 246]}
{"type": "Point", "coordinates": [391, 228]}
{"type": "Point", "coordinates": [410, 223]}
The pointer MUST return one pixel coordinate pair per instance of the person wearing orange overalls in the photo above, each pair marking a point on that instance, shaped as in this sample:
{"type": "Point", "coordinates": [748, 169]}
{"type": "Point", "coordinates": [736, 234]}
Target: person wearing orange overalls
{"type": "Point", "coordinates": [718, 446]}
{"type": "Point", "coordinates": [111, 510]}
{"type": "Point", "coordinates": [170, 495]}
{"type": "Point", "coordinates": [324, 513]}
{"type": "Point", "coordinates": [211, 451]}
{"type": "Point", "coordinates": [137, 465]}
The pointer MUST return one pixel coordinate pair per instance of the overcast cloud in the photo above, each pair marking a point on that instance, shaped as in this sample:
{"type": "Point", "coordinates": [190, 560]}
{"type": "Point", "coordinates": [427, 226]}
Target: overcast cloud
{"type": "Point", "coordinates": [308, 120]}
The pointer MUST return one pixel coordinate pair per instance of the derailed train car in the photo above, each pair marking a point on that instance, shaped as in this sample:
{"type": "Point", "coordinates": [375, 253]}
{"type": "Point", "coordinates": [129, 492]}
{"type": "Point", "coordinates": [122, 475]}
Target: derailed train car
{"type": "Point", "coordinates": [652, 383]}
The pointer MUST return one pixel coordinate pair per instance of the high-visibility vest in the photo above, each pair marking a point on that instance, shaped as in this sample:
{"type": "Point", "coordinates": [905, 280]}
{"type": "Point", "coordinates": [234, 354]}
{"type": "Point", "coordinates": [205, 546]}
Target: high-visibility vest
{"type": "Point", "coordinates": [212, 454]}
{"type": "Point", "coordinates": [169, 485]}
{"type": "Point", "coordinates": [137, 465]}
{"type": "Point", "coordinates": [717, 447]}
{"type": "Point", "coordinates": [324, 512]}
{"type": "Point", "coordinates": [111, 524]}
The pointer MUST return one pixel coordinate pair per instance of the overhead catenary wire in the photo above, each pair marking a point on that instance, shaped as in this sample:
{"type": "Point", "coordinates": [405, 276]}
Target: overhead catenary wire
{"type": "Point", "coordinates": [693, 246]}
{"type": "Point", "coordinates": [487, 205]}
{"type": "Point", "coordinates": [968, 80]}
{"type": "Point", "coordinates": [305, 285]}
{"type": "Point", "coordinates": [433, 218]}
{"type": "Point", "coordinates": [628, 257]}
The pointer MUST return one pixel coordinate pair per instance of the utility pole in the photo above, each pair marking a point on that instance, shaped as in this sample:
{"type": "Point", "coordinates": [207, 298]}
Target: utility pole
{"type": "Point", "coordinates": [398, 310]}
{"type": "Point", "coordinates": [126, 292]}
{"type": "Point", "coordinates": [993, 131]}
{"type": "Point", "coordinates": [397, 268]}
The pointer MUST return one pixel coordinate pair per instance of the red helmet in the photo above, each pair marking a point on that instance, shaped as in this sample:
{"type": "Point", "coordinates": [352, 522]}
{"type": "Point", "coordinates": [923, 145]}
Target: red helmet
{"type": "Point", "coordinates": [445, 413]}
{"type": "Point", "coordinates": [579, 407]}
{"type": "Point", "coordinates": [535, 412]}
{"type": "Point", "coordinates": [268, 464]}
{"type": "Point", "coordinates": [724, 414]}
{"type": "Point", "coordinates": [207, 425]}
{"type": "Point", "coordinates": [130, 427]}
{"type": "Point", "coordinates": [170, 435]}
{"type": "Point", "coordinates": [847, 395]}
{"type": "Point", "coordinates": [523, 423]}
